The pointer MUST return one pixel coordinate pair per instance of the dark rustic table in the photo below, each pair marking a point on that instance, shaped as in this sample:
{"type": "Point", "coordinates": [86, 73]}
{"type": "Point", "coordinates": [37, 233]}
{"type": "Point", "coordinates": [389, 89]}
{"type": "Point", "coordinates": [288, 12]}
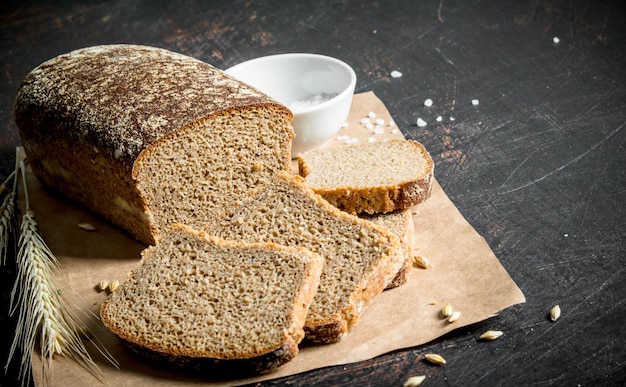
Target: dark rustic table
{"type": "Point", "coordinates": [537, 167]}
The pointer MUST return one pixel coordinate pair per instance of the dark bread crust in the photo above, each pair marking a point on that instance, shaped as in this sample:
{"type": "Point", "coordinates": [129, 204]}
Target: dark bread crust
{"type": "Point", "coordinates": [220, 368]}
{"type": "Point", "coordinates": [122, 98]}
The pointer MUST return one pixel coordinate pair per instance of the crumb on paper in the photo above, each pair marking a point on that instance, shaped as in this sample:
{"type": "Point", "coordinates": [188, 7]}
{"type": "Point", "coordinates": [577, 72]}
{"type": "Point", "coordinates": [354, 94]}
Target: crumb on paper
{"type": "Point", "coordinates": [87, 227]}
{"type": "Point", "coordinates": [428, 102]}
{"type": "Point", "coordinates": [396, 74]}
{"type": "Point", "coordinates": [421, 123]}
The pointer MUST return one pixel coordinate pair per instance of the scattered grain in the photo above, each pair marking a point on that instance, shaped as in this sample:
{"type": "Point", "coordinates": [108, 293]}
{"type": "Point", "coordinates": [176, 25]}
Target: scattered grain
{"type": "Point", "coordinates": [114, 285]}
{"type": "Point", "coordinates": [421, 123]}
{"type": "Point", "coordinates": [420, 261]}
{"type": "Point", "coordinates": [455, 316]}
{"type": "Point", "coordinates": [102, 285]}
{"type": "Point", "coordinates": [435, 358]}
{"type": "Point", "coordinates": [447, 310]}
{"type": "Point", "coordinates": [555, 313]}
{"type": "Point", "coordinates": [414, 381]}
{"type": "Point", "coordinates": [491, 335]}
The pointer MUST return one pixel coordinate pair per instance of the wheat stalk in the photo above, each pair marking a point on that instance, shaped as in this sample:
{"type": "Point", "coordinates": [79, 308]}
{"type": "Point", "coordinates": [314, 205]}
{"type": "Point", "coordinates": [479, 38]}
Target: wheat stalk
{"type": "Point", "coordinates": [42, 312]}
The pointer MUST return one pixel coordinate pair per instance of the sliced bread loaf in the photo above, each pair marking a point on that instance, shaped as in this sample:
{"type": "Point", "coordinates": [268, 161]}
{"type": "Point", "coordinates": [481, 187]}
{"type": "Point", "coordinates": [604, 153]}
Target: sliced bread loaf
{"type": "Point", "coordinates": [147, 137]}
{"type": "Point", "coordinates": [360, 257]}
{"type": "Point", "coordinates": [214, 305]}
{"type": "Point", "coordinates": [400, 223]}
{"type": "Point", "coordinates": [370, 177]}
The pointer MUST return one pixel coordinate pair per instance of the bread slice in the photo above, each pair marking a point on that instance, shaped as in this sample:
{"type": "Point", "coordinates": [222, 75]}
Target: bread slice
{"type": "Point", "coordinates": [146, 137]}
{"type": "Point", "coordinates": [370, 177]}
{"type": "Point", "coordinates": [360, 257]}
{"type": "Point", "coordinates": [214, 305]}
{"type": "Point", "coordinates": [400, 223]}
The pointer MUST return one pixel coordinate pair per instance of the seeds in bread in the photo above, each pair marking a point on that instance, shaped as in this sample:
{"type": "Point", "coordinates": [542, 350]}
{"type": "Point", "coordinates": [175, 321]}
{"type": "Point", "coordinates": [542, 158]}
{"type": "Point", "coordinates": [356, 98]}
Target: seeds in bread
{"type": "Point", "coordinates": [196, 299]}
{"type": "Point", "coordinates": [360, 257]}
{"type": "Point", "coordinates": [147, 137]}
{"type": "Point", "coordinates": [400, 223]}
{"type": "Point", "coordinates": [370, 177]}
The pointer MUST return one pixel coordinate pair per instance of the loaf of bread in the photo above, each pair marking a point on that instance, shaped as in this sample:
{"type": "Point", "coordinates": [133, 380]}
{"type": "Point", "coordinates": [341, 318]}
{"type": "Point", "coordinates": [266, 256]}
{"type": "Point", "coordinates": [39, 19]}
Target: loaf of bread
{"type": "Point", "coordinates": [400, 223]}
{"type": "Point", "coordinates": [370, 177]}
{"type": "Point", "coordinates": [360, 257]}
{"type": "Point", "coordinates": [213, 305]}
{"type": "Point", "coordinates": [146, 137]}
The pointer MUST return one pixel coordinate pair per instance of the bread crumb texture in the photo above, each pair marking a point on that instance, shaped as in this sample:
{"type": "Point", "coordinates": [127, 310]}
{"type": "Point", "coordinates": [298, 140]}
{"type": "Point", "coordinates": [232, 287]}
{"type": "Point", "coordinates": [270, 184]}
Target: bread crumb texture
{"type": "Point", "coordinates": [359, 256]}
{"type": "Point", "coordinates": [197, 296]}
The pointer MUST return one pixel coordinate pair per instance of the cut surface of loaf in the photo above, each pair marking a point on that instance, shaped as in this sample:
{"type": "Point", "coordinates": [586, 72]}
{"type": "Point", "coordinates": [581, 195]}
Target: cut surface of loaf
{"type": "Point", "coordinates": [147, 137]}
{"type": "Point", "coordinates": [360, 257]}
{"type": "Point", "coordinates": [400, 223]}
{"type": "Point", "coordinates": [198, 299]}
{"type": "Point", "coordinates": [370, 177]}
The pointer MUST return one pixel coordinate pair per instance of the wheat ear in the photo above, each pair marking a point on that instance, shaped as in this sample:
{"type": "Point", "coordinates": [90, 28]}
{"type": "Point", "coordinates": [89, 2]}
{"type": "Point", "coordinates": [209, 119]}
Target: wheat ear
{"type": "Point", "coordinates": [42, 311]}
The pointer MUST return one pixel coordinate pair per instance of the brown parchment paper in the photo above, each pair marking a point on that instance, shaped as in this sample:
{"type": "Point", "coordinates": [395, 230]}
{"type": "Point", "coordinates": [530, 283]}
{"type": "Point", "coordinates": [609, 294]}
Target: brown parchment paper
{"type": "Point", "coordinates": [464, 272]}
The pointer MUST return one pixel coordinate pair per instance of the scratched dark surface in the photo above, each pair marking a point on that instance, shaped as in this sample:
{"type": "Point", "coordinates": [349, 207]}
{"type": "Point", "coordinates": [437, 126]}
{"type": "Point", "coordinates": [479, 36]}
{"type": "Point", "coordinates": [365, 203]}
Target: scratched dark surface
{"type": "Point", "coordinates": [538, 167]}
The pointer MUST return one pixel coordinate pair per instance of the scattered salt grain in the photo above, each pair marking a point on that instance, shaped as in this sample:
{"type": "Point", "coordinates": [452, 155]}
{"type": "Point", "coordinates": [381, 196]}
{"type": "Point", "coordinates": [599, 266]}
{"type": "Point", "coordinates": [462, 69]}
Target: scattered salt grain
{"type": "Point", "coordinates": [371, 115]}
{"type": "Point", "coordinates": [421, 123]}
{"type": "Point", "coordinates": [452, 118]}
{"type": "Point", "coordinates": [475, 102]}
{"type": "Point", "coordinates": [371, 139]}
{"type": "Point", "coordinates": [428, 102]}
{"type": "Point", "coordinates": [379, 130]}
{"type": "Point", "coordinates": [392, 123]}
{"type": "Point", "coordinates": [380, 121]}
{"type": "Point", "coordinates": [343, 138]}
{"type": "Point", "coordinates": [556, 40]}
{"type": "Point", "coordinates": [345, 125]}
{"type": "Point", "coordinates": [439, 118]}
{"type": "Point", "coordinates": [396, 74]}
{"type": "Point", "coordinates": [394, 131]}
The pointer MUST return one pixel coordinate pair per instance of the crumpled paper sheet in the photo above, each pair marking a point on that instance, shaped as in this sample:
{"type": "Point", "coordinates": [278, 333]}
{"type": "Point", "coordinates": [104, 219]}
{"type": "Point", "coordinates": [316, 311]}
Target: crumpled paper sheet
{"type": "Point", "coordinates": [464, 272]}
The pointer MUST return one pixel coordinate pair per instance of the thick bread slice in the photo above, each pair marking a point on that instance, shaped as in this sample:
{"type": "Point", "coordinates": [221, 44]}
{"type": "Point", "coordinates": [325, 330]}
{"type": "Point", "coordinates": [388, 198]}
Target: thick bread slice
{"type": "Point", "coordinates": [370, 177]}
{"type": "Point", "coordinates": [400, 223]}
{"type": "Point", "coordinates": [215, 305]}
{"type": "Point", "coordinates": [360, 257]}
{"type": "Point", "coordinates": [147, 137]}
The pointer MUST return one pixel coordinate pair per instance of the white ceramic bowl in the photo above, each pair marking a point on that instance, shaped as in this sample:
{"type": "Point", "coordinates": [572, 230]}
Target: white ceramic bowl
{"type": "Point", "coordinates": [318, 89]}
